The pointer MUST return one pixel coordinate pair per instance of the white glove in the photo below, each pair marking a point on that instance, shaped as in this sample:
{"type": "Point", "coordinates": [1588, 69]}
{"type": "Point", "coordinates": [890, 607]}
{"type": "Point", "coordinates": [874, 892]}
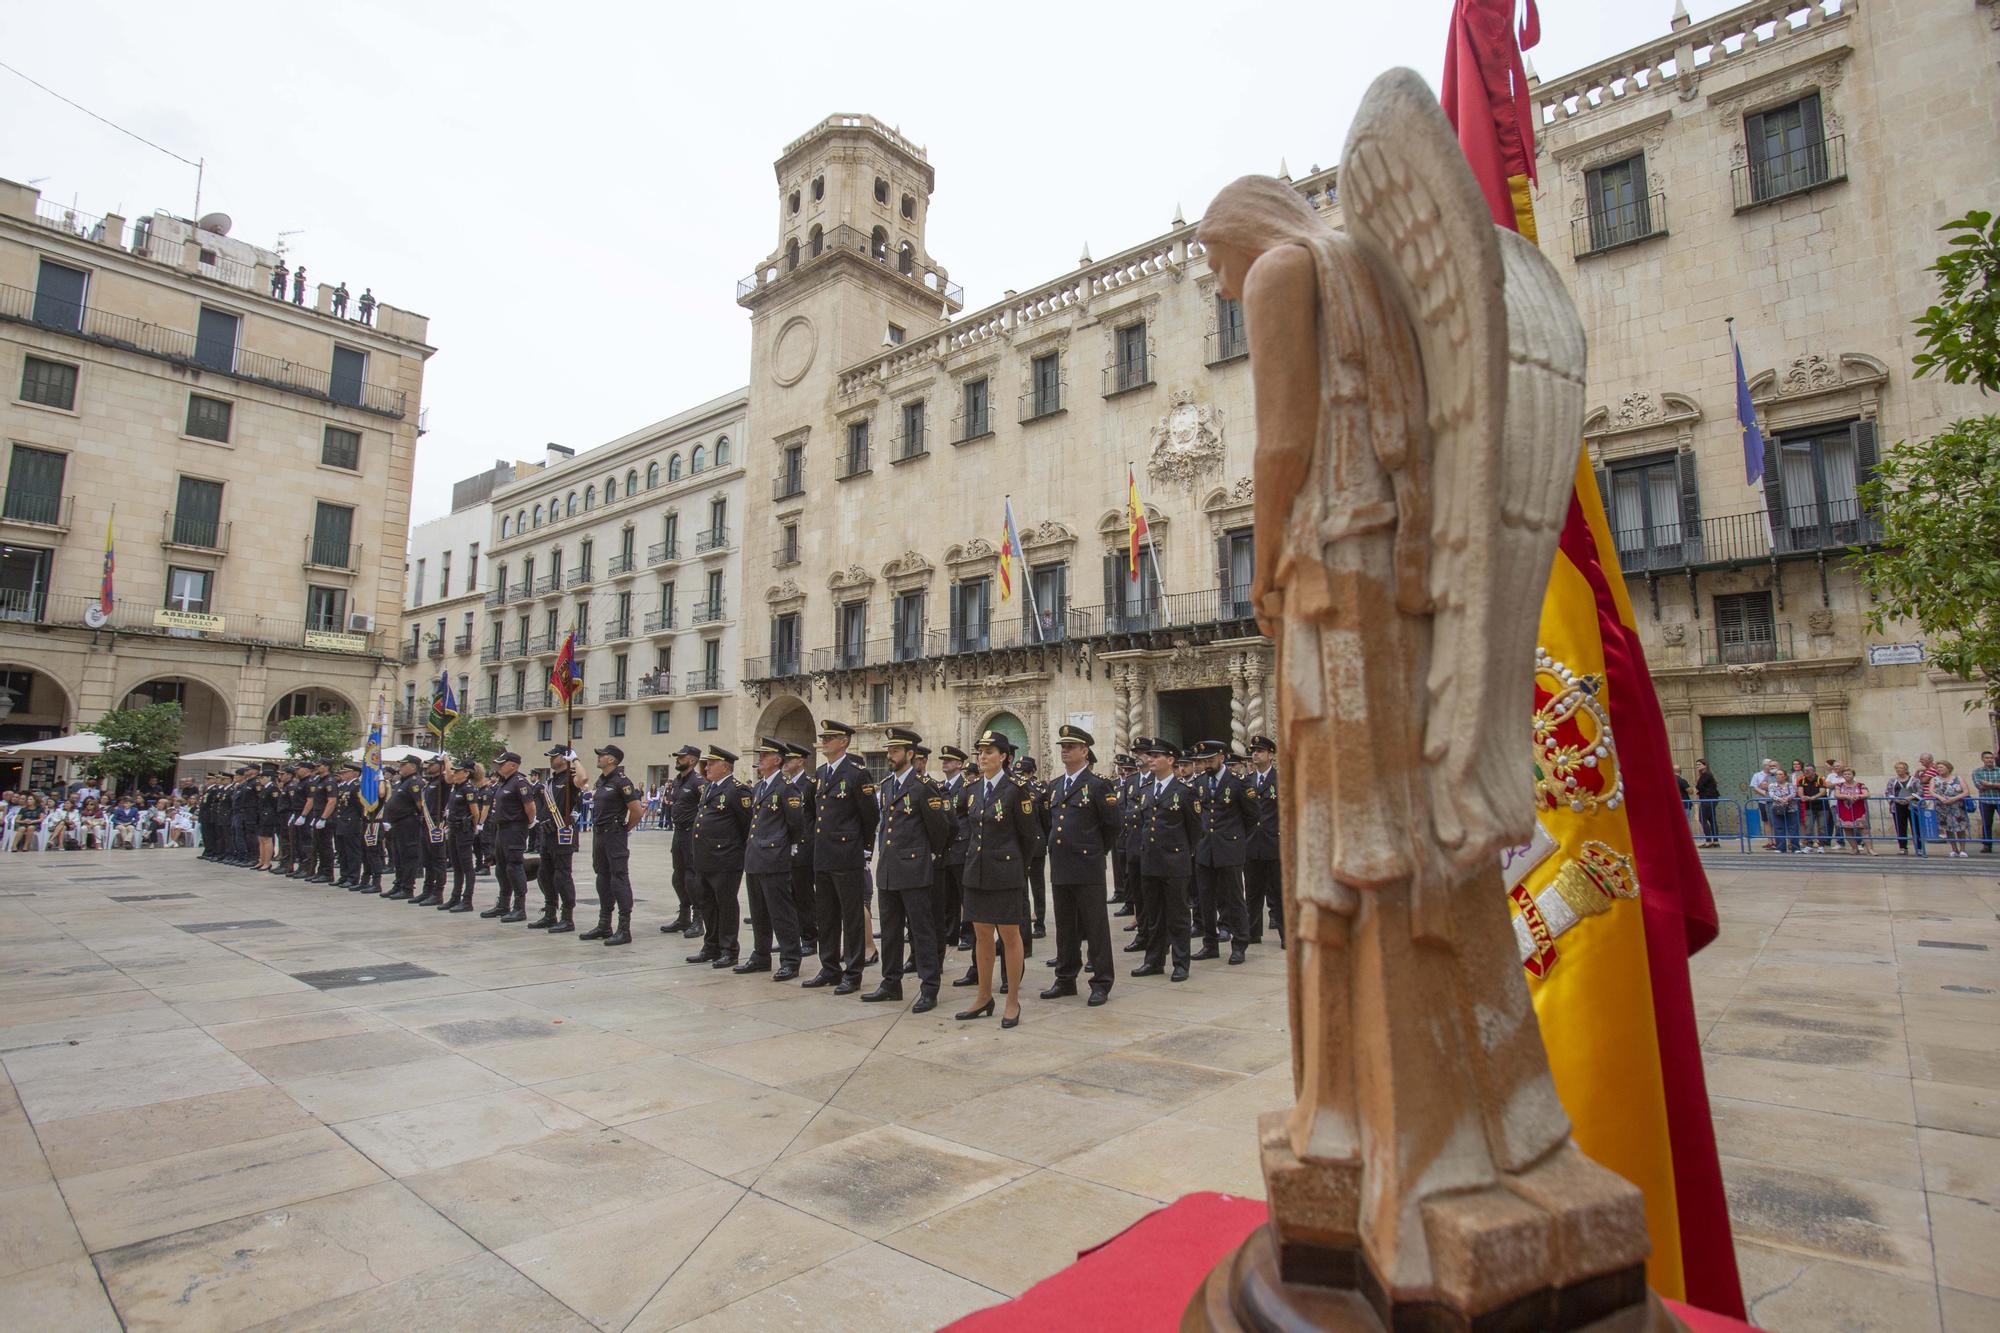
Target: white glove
{"type": "Point", "coordinates": [319, 823]}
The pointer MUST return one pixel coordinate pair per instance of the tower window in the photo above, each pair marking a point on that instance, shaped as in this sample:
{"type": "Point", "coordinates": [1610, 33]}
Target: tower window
{"type": "Point", "coordinates": [881, 191]}
{"type": "Point", "coordinates": [819, 188]}
{"type": "Point", "coordinates": [878, 245]}
{"type": "Point", "coordinates": [906, 259]}
{"type": "Point", "coordinates": [795, 201]}
{"type": "Point", "coordinates": [909, 206]}
{"type": "Point", "coordinates": [791, 254]}
{"type": "Point", "coordinates": [815, 241]}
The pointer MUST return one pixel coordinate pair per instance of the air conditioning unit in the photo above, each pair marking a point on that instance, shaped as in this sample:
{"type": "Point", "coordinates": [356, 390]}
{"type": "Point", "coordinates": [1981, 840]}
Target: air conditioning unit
{"type": "Point", "coordinates": [360, 624]}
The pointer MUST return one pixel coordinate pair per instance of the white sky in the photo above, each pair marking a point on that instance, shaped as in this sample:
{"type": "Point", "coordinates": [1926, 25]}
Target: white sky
{"type": "Point", "coordinates": [570, 192]}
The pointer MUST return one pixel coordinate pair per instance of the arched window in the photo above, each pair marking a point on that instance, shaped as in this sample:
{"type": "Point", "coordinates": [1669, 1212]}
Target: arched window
{"type": "Point", "coordinates": [815, 240]}
{"type": "Point", "coordinates": [909, 207]}
{"type": "Point", "coordinates": [795, 201]}
{"type": "Point", "coordinates": [791, 254]}
{"type": "Point", "coordinates": [674, 468]}
{"type": "Point", "coordinates": [632, 481]}
{"type": "Point", "coordinates": [589, 498]}
{"type": "Point", "coordinates": [881, 191]}
{"type": "Point", "coordinates": [520, 522]}
{"type": "Point", "coordinates": [906, 259]}
{"type": "Point", "coordinates": [878, 245]}
{"type": "Point", "coordinates": [819, 188]}
{"type": "Point", "coordinates": [538, 516]}
{"type": "Point", "coordinates": [652, 474]}
{"type": "Point", "coordinates": [506, 526]}
{"type": "Point", "coordinates": [722, 451]}
{"type": "Point", "coordinates": [700, 457]}
{"type": "Point", "coordinates": [611, 488]}
{"type": "Point", "coordinates": [569, 506]}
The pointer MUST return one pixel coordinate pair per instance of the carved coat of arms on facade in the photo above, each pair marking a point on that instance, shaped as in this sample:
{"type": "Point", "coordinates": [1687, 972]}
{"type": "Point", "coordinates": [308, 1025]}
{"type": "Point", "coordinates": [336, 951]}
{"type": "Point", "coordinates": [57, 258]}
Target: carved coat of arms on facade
{"type": "Point", "coordinates": [1187, 441]}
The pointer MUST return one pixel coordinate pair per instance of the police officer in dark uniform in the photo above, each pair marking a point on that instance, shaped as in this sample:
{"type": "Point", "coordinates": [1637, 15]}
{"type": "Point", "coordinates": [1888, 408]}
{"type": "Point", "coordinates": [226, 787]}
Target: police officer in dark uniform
{"type": "Point", "coordinates": [347, 824]}
{"type": "Point", "coordinates": [843, 845]}
{"type": "Point", "coordinates": [798, 776]}
{"type": "Point", "coordinates": [1025, 771]}
{"type": "Point", "coordinates": [1218, 870]}
{"type": "Point", "coordinates": [562, 795]}
{"type": "Point", "coordinates": [1085, 818]}
{"type": "Point", "coordinates": [513, 810]}
{"type": "Point", "coordinates": [270, 800]}
{"type": "Point", "coordinates": [950, 896]}
{"type": "Point", "coordinates": [682, 800]}
{"type": "Point", "coordinates": [1123, 767]}
{"type": "Point", "coordinates": [291, 842]}
{"type": "Point", "coordinates": [1263, 884]}
{"type": "Point", "coordinates": [319, 804]}
{"type": "Point", "coordinates": [914, 831]}
{"type": "Point", "coordinates": [721, 824]}
{"type": "Point", "coordinates": [403, 811]}
{"type": "Point", "coordinates": [435, 845]}
{"type": "Point", "coordinates": [1171, 826]}
{"type": "Point", "coordinates": [464, 810]}
{"type": "Point", "coordinates": [777, 827]}
{"type": "Point", "coordinates": [1005, 837]}
{"type": "Point", "coordinates": [616, 809]}
{"type": "Point", "coordinates": [243, 817]}
{"type": "Point", "coordinates": [1131, 840]}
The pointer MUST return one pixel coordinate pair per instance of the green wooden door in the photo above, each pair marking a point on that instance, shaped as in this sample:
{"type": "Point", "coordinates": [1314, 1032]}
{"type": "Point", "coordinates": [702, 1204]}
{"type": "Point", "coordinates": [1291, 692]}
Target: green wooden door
{"type": "Point", "coordinates": [1735, 746]}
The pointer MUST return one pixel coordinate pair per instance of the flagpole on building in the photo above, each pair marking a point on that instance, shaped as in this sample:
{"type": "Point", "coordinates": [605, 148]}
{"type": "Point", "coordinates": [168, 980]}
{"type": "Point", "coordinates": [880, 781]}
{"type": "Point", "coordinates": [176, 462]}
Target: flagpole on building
{"type": "Point", "coordinates": [1152, 547]}
{"type": "Point", "coordinates": [1027, 576]}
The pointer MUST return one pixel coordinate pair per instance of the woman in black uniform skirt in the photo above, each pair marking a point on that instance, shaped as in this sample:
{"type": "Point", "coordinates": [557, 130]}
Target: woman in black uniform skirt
{"type": "Point", "coordinates": [1003, 836]}
{"type": "Point", "coordinates": [270, 813]}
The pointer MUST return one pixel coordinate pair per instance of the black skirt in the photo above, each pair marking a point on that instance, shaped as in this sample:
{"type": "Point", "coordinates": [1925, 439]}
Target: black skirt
{"type": "Point", "coordinates": [997, 907]}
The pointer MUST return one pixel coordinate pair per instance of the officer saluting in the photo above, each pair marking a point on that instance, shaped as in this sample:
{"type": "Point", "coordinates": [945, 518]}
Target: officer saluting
{"type": "Point", "coordinates": [616, 808]}
{"type": "Point", "coordinates": [1169, 826]}
{"type": "Point", "coordinates": [1084, 822]}
{"type": "Point", "coordinates": [777, 827]}
{"type": "Point", "coordinates": [843, 845]}
{"type": "Point", "coordinates": [914, 829]}
{"type": "Point", "coordinates": [720, 826]}
{"type": "Point", "coordinates": [513, 811]}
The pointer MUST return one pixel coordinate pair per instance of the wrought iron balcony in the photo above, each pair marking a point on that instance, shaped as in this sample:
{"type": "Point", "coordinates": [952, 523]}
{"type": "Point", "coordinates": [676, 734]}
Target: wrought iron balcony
{"type": "Point", "coordinates": [579, 577]}
{"type": "Point", "coordinates": [1125, 373]}
{"type": "Point", "coordinates": [321, 554]}
{"type": "Point", "coordinates": [1226, 345]}
{"type": "Point", "coordinates": [612, 691]}
{"type": "Point", "coordinates": [498, 597]}
{"type": "Point", "coordinates": [1599, 230]}
{"type": "Point", "coordinates": [659, 685]}
{"type": "Point", "coordinates": [620, 565]}
{"type": "Point", "coordinates": [853, 462]}
{"type": "Point", "coordinates": [788, 483]}
{"type": "Point", "coordinates": [705, 682]}
{"type": "Point", "coordinates": [1791, 172]}
{"type": "Point", "coordinates": [409, 654]}
{"type": "Point", "coordinates": [909, 444]}
{"type": "Point", "coordinates": [490, 653]}
{"type": "Point", "coordinates": [1045, 401]}
{"type": "Point", "coordinates": [1754, 643]}
{"type": "Point", "coordinates": [1731, 540]}
{"type": "Point", "coordinates": [434, 649]}
{"type": "Point", "coordinates": [619, 627]}
{"type": "Point", "coordinates": [190, 533]}
{"type": "Point", "coordinates": [549, 583]}
{"type": "Point", "coordinates": [521, 592]}
{"type": "Point", "coordinates": [786, 555]}
{"type": "Point", "coordinates": [659, 553]}
{"type": "Point", "coordinates": [965, 428]}
{"type": "Point", "coordinates": [463, 643]}
{"type": "Point", "coordinates": [707, 612]}
{"type": "Point", "coordinates": [659, 620]}
{"type": "Point", "coordinates": [782, 667]}
{"type": "Point", "coordinates": [711, 539]}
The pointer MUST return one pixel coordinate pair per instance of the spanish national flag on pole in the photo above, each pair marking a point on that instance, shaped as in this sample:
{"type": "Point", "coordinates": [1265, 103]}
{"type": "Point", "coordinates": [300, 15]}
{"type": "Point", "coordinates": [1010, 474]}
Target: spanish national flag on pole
{"type": "Point", "coordinates": [1136, 530]}
{"type": "Point", "coordinates": [1609, 915]}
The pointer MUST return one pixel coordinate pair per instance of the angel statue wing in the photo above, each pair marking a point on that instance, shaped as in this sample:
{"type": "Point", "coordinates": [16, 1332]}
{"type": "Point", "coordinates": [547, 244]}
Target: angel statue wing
{"type": "Point", "coordinates": [1503, 362]}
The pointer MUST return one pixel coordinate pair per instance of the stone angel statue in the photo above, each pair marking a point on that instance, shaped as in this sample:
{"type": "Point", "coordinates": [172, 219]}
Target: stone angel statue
{"type": "Point", "coordinates": [1419, 384]}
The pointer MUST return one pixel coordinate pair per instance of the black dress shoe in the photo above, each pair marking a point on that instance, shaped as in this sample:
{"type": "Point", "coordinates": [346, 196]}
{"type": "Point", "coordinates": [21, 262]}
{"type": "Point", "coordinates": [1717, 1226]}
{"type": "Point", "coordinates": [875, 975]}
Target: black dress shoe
{"type": "Point", "coordinates": [1060, 990]}
{"type": "Point", "coordinates": [925, 1003]}
{"type": "Point", "coordinates": [1136, 946]}
{"type": "Point", "coordinates": [1124, 910]}
{"type": "Point", "coordinates": [492, 912]}
{"type": "Point", "coordinates": [1098, 995]}
{"type": "Point", "coordinates": [1235, 952]}
{"type": "Point", "coordinates": [969, 979]}
{"type": "Point", "coordinates": [983, 1011]}
{"type": "Point", "coordinates": [846, 987]}
{"type": "Point", "coordinates": [1048, 962]}
{"type": "Point", "coordinates": [1179, 974]}
{"type": "Point", "coordinates": [1041, 931]}
{"type": "Point", "coordinates": [724, 960]}
{"type": "Point", "coordinates": [464, 905]}
{"type": "Point", "coordinates": [815, 982]}
{"type": "Point", "coordinates": [871, 960]}
{"type": "Point", "coordinates": [1013, 1022]}
{"type": "Point", "coordinates": [1207, 952]}
{"type": "Point", "coordinates": [753, 964]}
{"type": "Point", "coordinates": [543, 922]}
{"type": "Point", "coordinates": [1148, 970]}
{"type": "Point", "coordinates": [516, 915]}
{"type": "Point", "coordinates": [693, 932]}
{"type": "Point", "coordinates": [883, 993]}
{"type": "Point", "coordinates": [678, 923]}
{"type": "Point", "coordinates": [786, 973]}
{"type": "Point", "coordinates": [562, 928]}
{"type": "Point", "coordinates": [397, 895]}
{"type": "Point", "coordinates": [705, 956]}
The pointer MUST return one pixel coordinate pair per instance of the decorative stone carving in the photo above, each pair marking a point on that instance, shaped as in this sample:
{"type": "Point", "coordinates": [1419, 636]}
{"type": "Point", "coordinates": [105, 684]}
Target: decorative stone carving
{"type": "Point", "coordinates": [788, 591]}
{"type": "Point", "coordinates": [1234, 507]}
{"type": "Point", "coordinates": [1674, 635]}
{"type": "Point", "coordinates": [1048, 538]}
{"type": "Point", "coordinates": [1807, 373]}
{"type": "Point", "coordinates": [1822, 76]}
{"type": "Point", "coordinates": [1814, 373]}
{"type": "Point", "coordinates": [1642, 410]}
{"type": "Point", "coordinates": [1819, 621]}
{"type": "Point", "coordinates": [1187, 441]}
{"type": "Point", "coordinates": [1748, 678]}
{"type": "Point", "coordinates": [1427, 1161]}
{"type": "Point", "coordinates": [852, 579]}
{"type": "Point", "coordinates": [1636, 408]}
{"type": "Point", "coordinates": [969, 559]}
{"type": "Point", "coordinates": [1190, 668]}
{"type": "Point", "coordinates": [908, 571]}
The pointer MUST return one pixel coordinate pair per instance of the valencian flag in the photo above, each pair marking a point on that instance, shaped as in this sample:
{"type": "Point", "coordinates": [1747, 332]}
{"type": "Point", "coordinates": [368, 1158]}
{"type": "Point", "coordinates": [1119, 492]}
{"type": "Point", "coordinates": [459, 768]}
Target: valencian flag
{"type": "Point", "coordinates": [444, 707]}
{"type": "Point", "coordinates": [1010, 551]}
{"type": "Point", "coordinates": [1136, 530]}
{"type": "Point", "coordinates": [371, 765]}
{"type": "Point", "coordinates": [1746, 418]}
{"type": "Point", "coordinates": [566, 677]}
{"type": "Point", "coordinates": [110, 562]}
{"type": "Point", "coordinates": [1608, 916]}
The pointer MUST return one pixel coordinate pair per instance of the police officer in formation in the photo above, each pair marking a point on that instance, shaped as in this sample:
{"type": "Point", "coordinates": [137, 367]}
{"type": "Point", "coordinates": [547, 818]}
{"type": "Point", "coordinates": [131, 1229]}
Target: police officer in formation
{"type": "Point", "coordinates": [560, 800]}
{"type": "Point", "coordinates": [914, 831]}
{"type": "Point", "coordinates": [1263, 894]}
{"type": "Point", "coordinates": [798, 774]}
{"type": "Point", "coordinates": [1004, 835]}
{"type": "Point", "coordinates": [513, 811]}
{"type": "Point", "coordinates": [616, 808]}
{"type": "Point", "coordinates": [722, 823]}
{"type": "Point", "coordinates": [683, 800]}
{"type": "Point", "coordinates": [464, 811]}
{"type": "Point", "coordinates": [1085, 820]}
{"type": "Point", "coordinates": [403, 810]}
{"type": "Point", "coordinates": [843, 846]}
{"type": "Point", "coordinates": [1169, 829]}
{"type": "Point", "coordinates": [777, 828]}
{"type": "Point", "coordinates": [1220, 796]}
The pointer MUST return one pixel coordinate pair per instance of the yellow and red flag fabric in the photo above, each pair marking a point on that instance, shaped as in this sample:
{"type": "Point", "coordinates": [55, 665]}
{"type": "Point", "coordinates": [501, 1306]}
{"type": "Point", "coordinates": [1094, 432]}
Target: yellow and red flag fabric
{"type": "Point", "coordinates": [1136, 529]}
{"type": "Point", "coordinates": [566, 676]}
{"type": "Point", "coordinates": [104, 598]}
{"type": "Point", "coordinates": [1617, 902]}
{"type": "Point", "coordinates": [1010, 551]}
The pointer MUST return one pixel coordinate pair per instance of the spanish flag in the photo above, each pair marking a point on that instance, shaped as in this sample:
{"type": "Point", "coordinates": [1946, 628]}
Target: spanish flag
{"type": "Point", "coordinates": [1136, 529]}
{"type": "Point", "coordinates": [1608, 917]}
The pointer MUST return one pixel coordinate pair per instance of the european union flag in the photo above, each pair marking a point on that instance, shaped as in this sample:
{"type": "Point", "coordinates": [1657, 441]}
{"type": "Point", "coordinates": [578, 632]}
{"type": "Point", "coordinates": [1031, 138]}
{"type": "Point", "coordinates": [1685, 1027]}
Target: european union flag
{"type": "Point", "coordinates": [1746, 419]}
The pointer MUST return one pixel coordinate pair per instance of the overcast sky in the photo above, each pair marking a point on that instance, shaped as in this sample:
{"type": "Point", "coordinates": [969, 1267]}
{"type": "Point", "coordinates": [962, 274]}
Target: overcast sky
{"type": "Point", "coordinates": [570, 192]}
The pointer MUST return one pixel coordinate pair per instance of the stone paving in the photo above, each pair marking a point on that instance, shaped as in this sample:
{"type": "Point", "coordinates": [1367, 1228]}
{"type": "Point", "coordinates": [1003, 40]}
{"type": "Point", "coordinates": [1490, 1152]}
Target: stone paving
{"type": "Point", "coordinates": [471, 1125]}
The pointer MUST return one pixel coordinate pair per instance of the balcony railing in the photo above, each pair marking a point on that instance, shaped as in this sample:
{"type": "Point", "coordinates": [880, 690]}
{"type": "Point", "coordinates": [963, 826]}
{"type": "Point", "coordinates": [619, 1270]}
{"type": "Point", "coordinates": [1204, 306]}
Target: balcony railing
{"type": "Point", "coordinates": [1126, 373]}
{"type": "Point", "coordinates": [782, 667]}
{"type": "Point", "coordinates": [490, 653]}
{"type": "Point", "coordinates": [434, 649]}
{"type": "Point", "coordinates": [618, 627]}
{"type": "Point", "coordinates": [487, 707]}
{"type": "Point", "coordinates": [620, 564]}
{"type": "Point", "coordinates": [133, 335]}
{"type": "Point", "coordinates": [1736, 539]}
{"type": "Point", "coordinates": [39, 508]}
{"type": "Point", "coordinates": [789, 483]}
{"type": "Point", "coordinates": [543, 699]}
{"type": "Point", "coordinates": [549, 583]}
{"type": "Point", "coordinates": [1226, 345]}
{"type": "Point", "coordinates": [909, 444]}
{"type": "Point", "coordinates": [659, 553]}
{"type": "Point", "coordinates": [853, 462]}
{"type": "Point", "coordinates": [1045, 401]}
{"type": "Point", "coordinates": [659, 685]}
{"type": "Point", "coordinates": [521, 592]}
{"type": "Point", "coordinates": [705, 682]}
{"type": "Point", "coordinates": [965, 429]}
{"type": "Point", "coordinates": [321, 554]}
{"type": "Point", "coordinates": [844, 239]}
{"type": "Point", "coordinates": [659, 620]}
{"type": "Point", "coordinates": [579, 577]}
{"type": "Point", "coordinates": [612, 692]}
{"type": "Point", "coordinates": [463, 643]}
{"type": "Point", "coordinates": [1791, 172]}
{"type": "Point", "coordinates": [1137, 614]}
{"type": "Point", "coordinates": [498, 597]}
{"type": "Point", "coordinates": [1760, 643]}
{"type": "Point", "coordinates": [785, 556]}
{"type": "Point", "coordinates": [711, 539]}
{"type": "Point", "coordinates": [129, 616]}
{"type": "Point", "coordinates": [194, 534]}
{"type": "Point", "coordinates": [410, 714]}
{"type": "Point", "coordinates": [409, 654]}
{"type": "Point", "coordinates": [1638, 220]}
{"type": "Point", "coordinates": [707, 612]}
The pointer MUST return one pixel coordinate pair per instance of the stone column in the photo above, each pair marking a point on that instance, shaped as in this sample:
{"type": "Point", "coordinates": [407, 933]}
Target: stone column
{"type": "Point", "coordinates": [1239, 702]}
{"type": "Point", "coordinates": [1257, 676]}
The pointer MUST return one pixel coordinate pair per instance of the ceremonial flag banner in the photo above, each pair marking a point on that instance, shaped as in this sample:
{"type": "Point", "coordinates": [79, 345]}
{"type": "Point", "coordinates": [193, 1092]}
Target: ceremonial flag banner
{"type": "Point", "coordinates": [444, 706]}
{"type": "Point", "coordinates": [566, 677]}
{"type": "Point", "coordinates": [1010, 551]}
{"type": "Point", "coordinates": [371, 767]}
{"type": "Point", "coordinates": [104, 598]}
{"type": "Point", "coordinates": [1136, 530]}
{"type": "Point", "coordinates": [1614, 900]}
{"type": "Point", "coordinates": [1746, 419]}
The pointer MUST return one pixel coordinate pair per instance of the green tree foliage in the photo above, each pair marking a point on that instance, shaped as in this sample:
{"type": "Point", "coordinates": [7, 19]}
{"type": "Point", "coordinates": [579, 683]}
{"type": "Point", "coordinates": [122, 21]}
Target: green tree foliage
{"type": "Point", "coordinates": [471, 741]}
{"type": "Point", "coordinates": [1938, 500]}
{"type": "Point", "coordinates": [316, 737]}
{"type": "Point", "coordinates": [138, 742]}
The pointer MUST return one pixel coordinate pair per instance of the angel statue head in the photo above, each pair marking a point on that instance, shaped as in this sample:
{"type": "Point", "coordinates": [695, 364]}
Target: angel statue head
{"type": "Point", "coordinates": [1252, 215]}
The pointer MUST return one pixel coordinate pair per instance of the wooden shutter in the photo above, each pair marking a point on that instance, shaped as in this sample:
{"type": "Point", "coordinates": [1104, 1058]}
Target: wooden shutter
{"type": "Point", "coordinates": [1774, 492]}
{"type": "Point", "coordinates": [1691, 534]}
{"type": "Point", "coordinates": [1114, 593]}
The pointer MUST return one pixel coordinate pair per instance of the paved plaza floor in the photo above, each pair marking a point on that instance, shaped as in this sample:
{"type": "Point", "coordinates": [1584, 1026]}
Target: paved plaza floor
{"type": "Point", "coordinates": [483, 1127]}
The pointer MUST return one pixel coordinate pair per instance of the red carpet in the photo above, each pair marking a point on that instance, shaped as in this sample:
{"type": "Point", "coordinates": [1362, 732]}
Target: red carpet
{"type": "Point", "coordinates": [1141, 1278]}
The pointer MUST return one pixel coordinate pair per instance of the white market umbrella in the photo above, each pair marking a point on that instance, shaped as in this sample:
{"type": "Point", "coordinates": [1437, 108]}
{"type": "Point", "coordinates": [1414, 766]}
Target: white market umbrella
{"type": "Point", "coordinates": [395, 754]}
{"type": "Point", "coordinates": [81, 745]}
{"type": "Point", "coordinates": [254, 753]}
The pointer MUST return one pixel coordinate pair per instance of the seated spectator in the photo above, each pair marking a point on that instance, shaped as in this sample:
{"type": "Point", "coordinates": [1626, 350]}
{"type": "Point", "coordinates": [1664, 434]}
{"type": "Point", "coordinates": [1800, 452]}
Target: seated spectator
{"type": "Point", "coordinates": [125, 830]}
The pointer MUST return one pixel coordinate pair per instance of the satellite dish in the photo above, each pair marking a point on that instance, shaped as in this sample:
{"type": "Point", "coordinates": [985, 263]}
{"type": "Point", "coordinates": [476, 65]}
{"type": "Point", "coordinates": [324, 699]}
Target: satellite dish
{"type": "Point", "coordinates": [219, 223]}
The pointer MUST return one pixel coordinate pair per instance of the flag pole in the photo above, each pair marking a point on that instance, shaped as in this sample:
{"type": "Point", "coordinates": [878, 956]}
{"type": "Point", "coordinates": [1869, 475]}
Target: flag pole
{"type": "Point", "coordinates": [1152, 547]}
{"type": "Point", "coordinates": [1027, 575]}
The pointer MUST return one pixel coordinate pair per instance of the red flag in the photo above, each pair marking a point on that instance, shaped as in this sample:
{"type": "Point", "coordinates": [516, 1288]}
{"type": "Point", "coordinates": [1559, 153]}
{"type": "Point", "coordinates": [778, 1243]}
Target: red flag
{"type": "Point", "coordinates": [1486, 96]}
{"type": "Point", "coordinates": [566, 677]}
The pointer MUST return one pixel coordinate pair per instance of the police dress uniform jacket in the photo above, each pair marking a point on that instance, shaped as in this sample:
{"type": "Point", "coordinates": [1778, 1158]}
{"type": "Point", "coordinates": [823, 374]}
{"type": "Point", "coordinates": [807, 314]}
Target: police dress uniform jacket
{"type": "Point", "coordinates": [1085, 818]}
{"type": "Point", "coordinates": [684, 795]}
{"type": "Point", "coordinates": [956, 794]}
{"type": "Point", "coordinates": [721, 826]}
{"type": "Point", "coordinates": [914, 829]}
{"type": "Point", "coordinates": [777, 825]}
{"type": "Point", "coordinates": [1005, 835]}
{"type": "Point", "coordinates": [1260, 807]}
{"type": "Point", "coordinates": [1225, 834]}
{"type": "Point", "coordinates": [609, 799]}
{"type": "Point", "coordinates": [1170, 825]}
{"type": "Point", "coordinates": [845, 822]}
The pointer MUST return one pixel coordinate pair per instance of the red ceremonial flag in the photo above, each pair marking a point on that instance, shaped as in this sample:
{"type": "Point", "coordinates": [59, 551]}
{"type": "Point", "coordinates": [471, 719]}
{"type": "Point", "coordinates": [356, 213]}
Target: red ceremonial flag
{"type": "Point", "coordinates": [565, 678]}
{"type": "Point", "coordinates": [1613, 994]}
